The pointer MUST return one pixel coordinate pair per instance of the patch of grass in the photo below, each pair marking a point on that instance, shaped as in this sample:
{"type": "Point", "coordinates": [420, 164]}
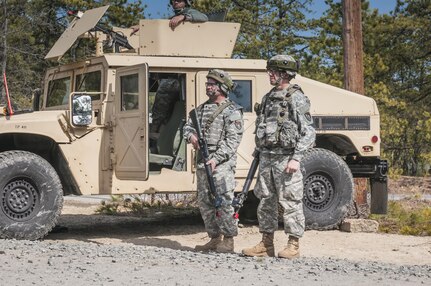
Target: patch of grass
{"type": "Point", "coordinates": [142, 205]}
{"type": "Point", "coordinates": [408, 217]}
{"type": "Point", "coordinates": [112, 207]}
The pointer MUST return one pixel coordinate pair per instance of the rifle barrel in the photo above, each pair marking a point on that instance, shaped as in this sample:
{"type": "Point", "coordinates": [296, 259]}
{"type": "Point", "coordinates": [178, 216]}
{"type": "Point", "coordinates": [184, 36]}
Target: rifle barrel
{"type": "Point", "coordinates": [203, 148]}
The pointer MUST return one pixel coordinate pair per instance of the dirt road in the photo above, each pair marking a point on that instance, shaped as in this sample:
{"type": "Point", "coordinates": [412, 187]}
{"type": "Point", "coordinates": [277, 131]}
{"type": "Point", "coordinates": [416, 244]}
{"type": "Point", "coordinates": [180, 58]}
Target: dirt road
{"type": "Point", "coordinates": [107, 250]}
{"type": "Point", "coordinates": [184, 232]}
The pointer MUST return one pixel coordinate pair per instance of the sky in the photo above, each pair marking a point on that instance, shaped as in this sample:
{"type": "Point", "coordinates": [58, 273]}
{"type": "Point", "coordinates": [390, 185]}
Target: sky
{"type": "Point", "coordinates": [160, 9]}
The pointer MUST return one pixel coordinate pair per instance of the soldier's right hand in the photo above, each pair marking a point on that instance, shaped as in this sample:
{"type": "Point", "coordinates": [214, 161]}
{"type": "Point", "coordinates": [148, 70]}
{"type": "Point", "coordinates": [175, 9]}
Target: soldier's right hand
{"type": "Point", "coordinates": [194, 140]}
{"type": "Point", "coordinates": [176, 20]}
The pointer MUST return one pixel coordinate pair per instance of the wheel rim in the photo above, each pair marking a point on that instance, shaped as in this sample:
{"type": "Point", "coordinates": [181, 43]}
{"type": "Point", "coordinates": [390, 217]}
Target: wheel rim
{"type": "Point", "coordinates": [19, 199]}
{"type": "Point", "coordinates": [319, 192]}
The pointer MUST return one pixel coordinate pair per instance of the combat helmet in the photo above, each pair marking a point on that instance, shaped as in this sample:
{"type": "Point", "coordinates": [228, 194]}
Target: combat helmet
{"type": "Point", "coordinates": [223, 78]}
{"type": "Point", "coordinates": [283, 63]}
{"type": "Point", "coordinates": [188, 2]}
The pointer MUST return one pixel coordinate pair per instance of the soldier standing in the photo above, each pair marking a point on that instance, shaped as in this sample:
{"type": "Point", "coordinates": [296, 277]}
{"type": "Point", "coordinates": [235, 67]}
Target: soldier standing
{"type": "Point", "coordinates": [184, 12]}
{"type": "Point", "coordinates": [283, 133]}
{"type": "Point", "coordinates": [222, 126]}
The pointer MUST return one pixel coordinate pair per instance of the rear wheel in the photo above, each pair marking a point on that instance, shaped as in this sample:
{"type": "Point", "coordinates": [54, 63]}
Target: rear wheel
{"type": "Point", "coordinates": [31, 196]}
{"type": "Point", "coordinates": [328, 189]}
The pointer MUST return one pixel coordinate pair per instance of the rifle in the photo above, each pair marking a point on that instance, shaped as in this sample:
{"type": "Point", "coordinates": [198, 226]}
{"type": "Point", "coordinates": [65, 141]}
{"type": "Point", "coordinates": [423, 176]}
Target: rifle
{"type": "Point", "coordinates": [238, 201]}
{"type": "Point", "coordinates": [203, 148]}
{"type": "Point", "coordinates": [118, 40]}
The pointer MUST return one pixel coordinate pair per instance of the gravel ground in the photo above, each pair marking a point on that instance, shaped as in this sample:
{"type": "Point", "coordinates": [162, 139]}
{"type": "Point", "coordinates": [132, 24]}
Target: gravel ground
{"type": "Point", "coordinates": [158, 250]}
{"type": "Point", "coordinates": [84, 263]}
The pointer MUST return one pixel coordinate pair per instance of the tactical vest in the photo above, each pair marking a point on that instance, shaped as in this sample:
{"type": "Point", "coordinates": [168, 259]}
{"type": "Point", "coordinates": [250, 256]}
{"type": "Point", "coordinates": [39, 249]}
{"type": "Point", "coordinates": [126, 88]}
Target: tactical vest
{"type": "Point", "coordinates": [276, 123]}
{"type": "Point", "coordinates": [213, 124]}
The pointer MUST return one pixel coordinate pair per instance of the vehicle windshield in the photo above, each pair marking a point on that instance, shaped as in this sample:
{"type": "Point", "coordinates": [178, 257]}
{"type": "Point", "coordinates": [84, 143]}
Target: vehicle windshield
{"type": "Point", "coordinates": [58, 92]}
{"type": "Point", "coordinates": [91, 82]}
{"type": "Point", "coordinates": [59, 89]}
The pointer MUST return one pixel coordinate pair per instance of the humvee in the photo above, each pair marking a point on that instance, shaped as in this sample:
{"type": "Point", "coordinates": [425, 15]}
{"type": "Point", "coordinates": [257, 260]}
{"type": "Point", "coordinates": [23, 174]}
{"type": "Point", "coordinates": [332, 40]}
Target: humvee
{"type": "Point", "coordinates": [88, 133]}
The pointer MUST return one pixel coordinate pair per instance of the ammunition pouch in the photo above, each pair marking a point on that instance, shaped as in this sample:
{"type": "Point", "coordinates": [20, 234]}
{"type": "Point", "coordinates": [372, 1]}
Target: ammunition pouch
{"type": "Point", "coordinates": [288, 134]}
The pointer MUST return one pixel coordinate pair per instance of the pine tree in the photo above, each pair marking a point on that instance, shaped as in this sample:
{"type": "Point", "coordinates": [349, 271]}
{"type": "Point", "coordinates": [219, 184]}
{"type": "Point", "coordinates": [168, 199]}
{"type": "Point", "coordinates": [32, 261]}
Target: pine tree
{"type": "Point", "coordinates": [34, 26]}
{"type": "Point", "coordinates": [268, 27]}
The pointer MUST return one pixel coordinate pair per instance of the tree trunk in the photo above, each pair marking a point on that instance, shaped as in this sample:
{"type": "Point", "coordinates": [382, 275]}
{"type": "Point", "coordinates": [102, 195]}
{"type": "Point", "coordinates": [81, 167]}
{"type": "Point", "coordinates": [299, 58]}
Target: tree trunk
{"type": "Point", "coordinates": [354, 70]}
{"type": "Point", "coordinates": [352, 40]}
{"type": "Point", "coordinates": [4, 54]}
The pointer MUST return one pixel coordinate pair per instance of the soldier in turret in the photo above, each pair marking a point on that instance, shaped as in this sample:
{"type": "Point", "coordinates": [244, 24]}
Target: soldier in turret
{"type": "Point", "coordinates": [169, 88]}
{"type": "Point", "coordinates": [284, 132]}
{"type": "Point", "coordinates": [222, 126]}
{"type": "Point", "coordinates": [184, 12]}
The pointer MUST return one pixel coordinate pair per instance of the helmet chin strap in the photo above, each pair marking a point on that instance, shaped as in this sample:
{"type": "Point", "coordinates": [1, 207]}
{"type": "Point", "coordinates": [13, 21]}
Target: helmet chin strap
{"type": "Point", "coordinates": [278, 81]}
{"type": "Point", "coordinates": [282, 76]}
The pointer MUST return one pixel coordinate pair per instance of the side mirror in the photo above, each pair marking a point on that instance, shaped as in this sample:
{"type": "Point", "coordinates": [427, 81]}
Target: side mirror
{"type": "Point", "coordinates": [81, 110]}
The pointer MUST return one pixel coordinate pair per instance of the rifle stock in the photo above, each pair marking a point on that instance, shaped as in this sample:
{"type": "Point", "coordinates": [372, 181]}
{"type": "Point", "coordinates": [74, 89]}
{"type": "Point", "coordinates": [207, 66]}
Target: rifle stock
{"type": "Point", "coordinates": [238, 201]}
{"type": "Point", "coordinates": [203, 148]}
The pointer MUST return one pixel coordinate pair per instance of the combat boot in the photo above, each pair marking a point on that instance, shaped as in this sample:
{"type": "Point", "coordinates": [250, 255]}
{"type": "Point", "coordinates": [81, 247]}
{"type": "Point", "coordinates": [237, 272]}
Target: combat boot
{"type": "Point", "coordinates": [210, 245]}
{"type": "Point", "coordinates": [262, 249]}
{"type": "Point", "coordinates": [292, 249]}
{"type": "Point", "coordinates": [226, 246]}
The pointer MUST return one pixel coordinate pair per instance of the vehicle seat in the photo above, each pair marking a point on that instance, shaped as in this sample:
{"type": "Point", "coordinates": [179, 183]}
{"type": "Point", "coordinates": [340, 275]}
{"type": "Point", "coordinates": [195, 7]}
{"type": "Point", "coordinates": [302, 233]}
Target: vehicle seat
{"type": "Point", "coordinates": [171, 145]}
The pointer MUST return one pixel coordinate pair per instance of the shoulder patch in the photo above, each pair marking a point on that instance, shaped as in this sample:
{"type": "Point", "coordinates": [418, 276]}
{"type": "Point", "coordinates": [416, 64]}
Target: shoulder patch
{"type": "Point", "coordinates": [301, 102]}
{"type": "Point", "coordinates": [238, 125]}
{"type": "Point", "coordinates": [235, 115]}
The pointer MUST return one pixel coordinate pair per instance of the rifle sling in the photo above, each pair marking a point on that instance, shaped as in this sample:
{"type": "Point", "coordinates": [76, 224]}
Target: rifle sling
{"type": "Point", "coordinates": [215, 114]}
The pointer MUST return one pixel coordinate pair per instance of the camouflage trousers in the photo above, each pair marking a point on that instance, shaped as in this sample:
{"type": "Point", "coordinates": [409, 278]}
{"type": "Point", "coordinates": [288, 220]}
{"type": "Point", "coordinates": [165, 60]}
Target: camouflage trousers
{"type": "Point", "coordinates": [225, 184]}
{"type": "Point", "coordinates": [275, 186]}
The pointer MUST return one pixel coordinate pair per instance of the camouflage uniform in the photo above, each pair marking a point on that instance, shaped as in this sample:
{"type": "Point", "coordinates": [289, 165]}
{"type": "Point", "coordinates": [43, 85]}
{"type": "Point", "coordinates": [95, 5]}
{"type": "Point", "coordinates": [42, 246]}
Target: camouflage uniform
{"type": "Point", "coordinates": [283, 132]}
{"type": "Point", "coordinates": [167, 94]}
{"type": "Point", "coordinates": [192, 15]}
{"type": "Point", "coordinates": [223, 137]}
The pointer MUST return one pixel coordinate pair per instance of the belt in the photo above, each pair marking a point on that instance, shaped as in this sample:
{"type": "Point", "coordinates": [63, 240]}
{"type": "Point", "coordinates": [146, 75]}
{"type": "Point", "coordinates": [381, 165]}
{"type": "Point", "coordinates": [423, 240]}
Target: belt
{"type": "Point", "coordinates": [277, 151]}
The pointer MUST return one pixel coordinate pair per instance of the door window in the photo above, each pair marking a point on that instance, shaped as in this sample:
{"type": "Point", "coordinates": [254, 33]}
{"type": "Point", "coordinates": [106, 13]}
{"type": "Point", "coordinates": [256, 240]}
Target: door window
{"type": "Point", "coordinates": [242, 94]}
{"type": "Point", "coordinates": [130, 92]}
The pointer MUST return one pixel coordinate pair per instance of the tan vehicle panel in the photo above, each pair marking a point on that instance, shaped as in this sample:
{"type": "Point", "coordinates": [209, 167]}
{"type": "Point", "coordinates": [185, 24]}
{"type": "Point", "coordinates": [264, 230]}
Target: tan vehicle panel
{"type": "Point", "coordinates": [47, 123]}
{"type": "Point", "coordinates": [157, 38]}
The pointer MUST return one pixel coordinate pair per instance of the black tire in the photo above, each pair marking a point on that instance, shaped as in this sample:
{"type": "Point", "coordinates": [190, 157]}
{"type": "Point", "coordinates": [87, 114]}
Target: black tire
{"type": "Point", "coordinates": [328, 189]}
{"type": "Point", "coordinates": [31, 196]}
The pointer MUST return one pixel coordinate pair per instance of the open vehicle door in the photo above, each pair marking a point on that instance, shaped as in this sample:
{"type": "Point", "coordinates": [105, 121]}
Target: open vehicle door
{"type": "Point", "coordinates": [131, 124]}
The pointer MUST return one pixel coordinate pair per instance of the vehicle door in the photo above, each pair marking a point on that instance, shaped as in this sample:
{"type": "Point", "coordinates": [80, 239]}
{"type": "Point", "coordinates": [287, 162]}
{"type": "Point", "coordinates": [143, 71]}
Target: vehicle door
{"type": "Point", "coordinates": [131, 123]}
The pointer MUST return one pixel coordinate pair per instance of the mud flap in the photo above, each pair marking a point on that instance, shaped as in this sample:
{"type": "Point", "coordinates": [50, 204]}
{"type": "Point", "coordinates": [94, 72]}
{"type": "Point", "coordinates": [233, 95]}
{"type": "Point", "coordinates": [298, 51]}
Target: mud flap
{"type": "Point", "coordinates": [379, 196]}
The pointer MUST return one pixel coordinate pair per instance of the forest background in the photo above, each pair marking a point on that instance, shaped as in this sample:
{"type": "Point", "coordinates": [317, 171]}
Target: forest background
{"type": "Point", "coordinates": [397, 55]}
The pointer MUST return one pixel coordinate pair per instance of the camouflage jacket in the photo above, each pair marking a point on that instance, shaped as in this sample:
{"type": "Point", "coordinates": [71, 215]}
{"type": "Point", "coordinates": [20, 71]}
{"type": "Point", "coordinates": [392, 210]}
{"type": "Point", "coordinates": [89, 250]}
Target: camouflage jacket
{"type": "Point", "coordinates": [284, 123]}
{"type": "Point", "coordinates": [224, 135]}
{"type": "Point", "coordinates": [192, 15]}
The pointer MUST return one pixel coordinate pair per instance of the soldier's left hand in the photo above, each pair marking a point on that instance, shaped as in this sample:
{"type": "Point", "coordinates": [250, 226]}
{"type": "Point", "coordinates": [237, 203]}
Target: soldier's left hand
{"type": "Point", "coordinates": [292, 166]}
{"type": "Point", "coordinates": [212, 163]}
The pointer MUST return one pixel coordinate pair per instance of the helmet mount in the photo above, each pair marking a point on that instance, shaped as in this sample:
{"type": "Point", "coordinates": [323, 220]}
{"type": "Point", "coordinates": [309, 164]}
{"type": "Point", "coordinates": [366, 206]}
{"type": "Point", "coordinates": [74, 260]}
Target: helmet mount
{"type": "Point", "coordinates": [284, 64]}
{"type": "Point", "coordinates": [223, 79]}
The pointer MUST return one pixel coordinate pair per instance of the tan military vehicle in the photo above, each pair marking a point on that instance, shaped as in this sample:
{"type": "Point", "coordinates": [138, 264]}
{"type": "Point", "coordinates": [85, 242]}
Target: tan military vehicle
{"type": "Point", "coordinates": [89, 133]}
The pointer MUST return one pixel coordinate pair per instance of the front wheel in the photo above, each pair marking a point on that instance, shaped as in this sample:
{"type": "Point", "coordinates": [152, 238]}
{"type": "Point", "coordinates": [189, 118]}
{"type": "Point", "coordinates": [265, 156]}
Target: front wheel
{"type": "Point", "coordinates": [31, 196]}
{"type": "Point", "coordinates": [328, 189]}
